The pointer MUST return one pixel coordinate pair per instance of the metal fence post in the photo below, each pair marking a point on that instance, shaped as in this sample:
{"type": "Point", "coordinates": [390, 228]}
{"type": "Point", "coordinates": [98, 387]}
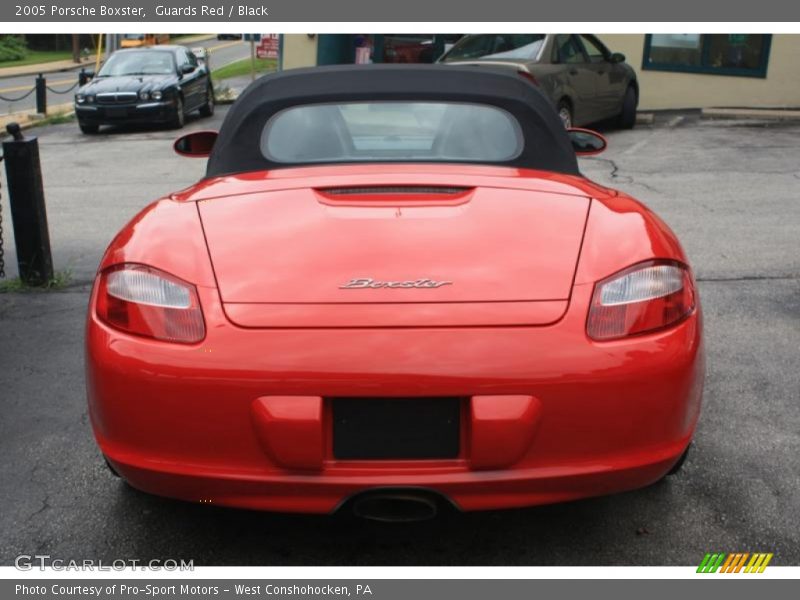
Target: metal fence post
{"type": "Point", "coordinates": [26, 197]}
{"type": "Point", "coordinates": [41, 94]}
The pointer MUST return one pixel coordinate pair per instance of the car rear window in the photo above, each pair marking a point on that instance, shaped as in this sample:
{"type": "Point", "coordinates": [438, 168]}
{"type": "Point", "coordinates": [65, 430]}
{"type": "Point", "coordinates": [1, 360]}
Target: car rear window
{"type": "Point", "coordinates": [513, 46]}
{"type": "Point", "coordinates": [391, 132]}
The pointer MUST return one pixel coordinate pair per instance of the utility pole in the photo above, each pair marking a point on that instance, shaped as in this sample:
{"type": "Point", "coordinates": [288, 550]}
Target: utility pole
{"type": "Point", "coordinates": [252, 58]}
{"type": "Point", "coordinates": [76, 48]}
{"type": "Point", "coordinates": [111, 44]}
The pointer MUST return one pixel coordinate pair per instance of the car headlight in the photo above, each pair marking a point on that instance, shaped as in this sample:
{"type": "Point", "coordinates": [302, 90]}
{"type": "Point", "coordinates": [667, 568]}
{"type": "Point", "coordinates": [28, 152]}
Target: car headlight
{"type": "Point", "coordinates": [80, 98]}
{"type": "Point", "coordinates": [144, 96]}
{"type": "Point", "coordinates": [156, 95]}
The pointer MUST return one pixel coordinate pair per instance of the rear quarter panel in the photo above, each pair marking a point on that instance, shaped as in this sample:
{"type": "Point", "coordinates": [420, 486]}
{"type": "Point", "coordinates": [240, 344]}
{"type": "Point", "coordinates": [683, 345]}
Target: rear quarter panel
{"type": "Point", "coordinates": [620, 232]}
{"type": "Point", "coordinates": [166, 234]}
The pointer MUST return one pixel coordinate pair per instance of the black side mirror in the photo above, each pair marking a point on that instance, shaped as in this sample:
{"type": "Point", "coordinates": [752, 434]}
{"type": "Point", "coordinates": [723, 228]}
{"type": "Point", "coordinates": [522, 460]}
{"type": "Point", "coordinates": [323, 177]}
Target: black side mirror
{"type": "Point", "coordinates": [187, 68]}
{"type": "Point", "coordinates": [197, 144]}
{"type": "Point", "coordinates": [616, 57]}
{"type": "Point", "coordinates": [586, 142]}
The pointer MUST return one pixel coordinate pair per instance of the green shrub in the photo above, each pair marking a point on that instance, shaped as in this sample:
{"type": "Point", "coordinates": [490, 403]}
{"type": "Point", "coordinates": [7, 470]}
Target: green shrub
{"type": "Point", "coordinates": [12, 47]}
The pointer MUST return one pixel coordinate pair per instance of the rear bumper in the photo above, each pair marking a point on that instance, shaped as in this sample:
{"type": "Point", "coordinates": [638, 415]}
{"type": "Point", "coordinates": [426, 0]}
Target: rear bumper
{"type": "Point", "coordinates": [549, 415]}
{"type": "Point", "coordinates": [325, 493]}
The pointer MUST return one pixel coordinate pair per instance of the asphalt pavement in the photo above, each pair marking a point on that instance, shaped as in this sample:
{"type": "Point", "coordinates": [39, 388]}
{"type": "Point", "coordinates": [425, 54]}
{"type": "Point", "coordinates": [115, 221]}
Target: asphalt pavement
{"type": "Point", "coordinates": [729, 189]}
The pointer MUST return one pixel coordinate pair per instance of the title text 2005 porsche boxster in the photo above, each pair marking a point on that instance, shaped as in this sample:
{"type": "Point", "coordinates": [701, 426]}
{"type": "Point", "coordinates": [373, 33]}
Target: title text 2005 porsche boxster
{"type": "Point", "coordinates": [393, 290]}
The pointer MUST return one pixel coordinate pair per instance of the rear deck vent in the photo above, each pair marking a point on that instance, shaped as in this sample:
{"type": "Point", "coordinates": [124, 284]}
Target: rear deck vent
{"type": "Point", "coordinates": [394, 189]}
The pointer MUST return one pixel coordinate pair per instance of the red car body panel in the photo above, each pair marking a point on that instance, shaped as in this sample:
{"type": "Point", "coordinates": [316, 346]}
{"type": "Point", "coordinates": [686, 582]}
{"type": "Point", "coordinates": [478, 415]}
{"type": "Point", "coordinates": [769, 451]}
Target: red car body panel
{"type": "Point", "coordinates": [243, 418]}
{"type": "Point", "coordinates": [463, 239]}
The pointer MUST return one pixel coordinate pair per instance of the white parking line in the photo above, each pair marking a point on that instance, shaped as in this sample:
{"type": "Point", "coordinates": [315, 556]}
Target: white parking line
{"type": "Point", "coordinates": [639, 144]}
{"type": "Point", "coordinates": [674, 121]}
{"type": "Point", "coordinates": [671, 124]}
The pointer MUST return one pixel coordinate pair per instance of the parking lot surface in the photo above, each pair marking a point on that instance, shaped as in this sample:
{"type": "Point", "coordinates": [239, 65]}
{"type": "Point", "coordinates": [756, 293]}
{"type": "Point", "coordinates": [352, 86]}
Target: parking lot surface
{"type": "Point", "coordinates": [729, 190]}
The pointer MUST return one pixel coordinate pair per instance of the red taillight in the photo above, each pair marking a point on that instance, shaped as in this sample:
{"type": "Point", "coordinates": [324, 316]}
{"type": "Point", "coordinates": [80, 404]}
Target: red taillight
{"type": "Point", "coordinates": [144, 301]}
{"type": "Point", "coordinates": [644, 298]}
{"type": "Point", "coordinates": [528, 75]}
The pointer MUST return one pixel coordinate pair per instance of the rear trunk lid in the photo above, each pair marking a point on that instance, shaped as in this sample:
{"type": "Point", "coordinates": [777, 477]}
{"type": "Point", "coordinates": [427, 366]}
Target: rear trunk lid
{"type": "Point", "coordinates": [395, 254]}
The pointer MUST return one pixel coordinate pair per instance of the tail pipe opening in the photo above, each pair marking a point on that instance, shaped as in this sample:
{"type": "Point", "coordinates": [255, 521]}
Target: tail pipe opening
{"type": "Point", "coordinates": [396, 506]}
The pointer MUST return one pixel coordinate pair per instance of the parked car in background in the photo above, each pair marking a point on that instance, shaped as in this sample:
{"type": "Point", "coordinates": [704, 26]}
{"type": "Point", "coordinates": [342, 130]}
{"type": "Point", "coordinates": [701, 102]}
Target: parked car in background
{"type": "Point", "coordinates": [230, 36]}
{"type": "Point", "coordinates": [161, 84]}
{"type": "Point", "coordinates": [584, 80]}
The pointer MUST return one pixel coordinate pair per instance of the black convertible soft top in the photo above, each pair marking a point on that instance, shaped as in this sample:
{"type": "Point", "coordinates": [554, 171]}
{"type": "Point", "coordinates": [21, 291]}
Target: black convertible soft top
{"type": "Point", "coordinates": [546, 144]}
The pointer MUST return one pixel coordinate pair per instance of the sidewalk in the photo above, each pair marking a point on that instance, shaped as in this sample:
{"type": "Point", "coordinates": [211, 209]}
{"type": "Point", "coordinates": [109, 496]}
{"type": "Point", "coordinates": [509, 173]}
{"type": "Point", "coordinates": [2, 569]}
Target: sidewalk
{"type": "Point", "coordinates": [771, 114]}
{"type": "Point", "coordinates": [28, 118]}
{"type": "Point", "coordinates": [47, 67]}
{"type": "Point", "coordinates": [193, 39]}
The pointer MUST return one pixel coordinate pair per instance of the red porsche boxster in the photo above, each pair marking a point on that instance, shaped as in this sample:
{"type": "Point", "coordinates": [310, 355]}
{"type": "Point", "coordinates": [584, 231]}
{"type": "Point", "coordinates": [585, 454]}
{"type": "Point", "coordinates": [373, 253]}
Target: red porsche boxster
{"type": "Point", "coordinates": [393, 291]}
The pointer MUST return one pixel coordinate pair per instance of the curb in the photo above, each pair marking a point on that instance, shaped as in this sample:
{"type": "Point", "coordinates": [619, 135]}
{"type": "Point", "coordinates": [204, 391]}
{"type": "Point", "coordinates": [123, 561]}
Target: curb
{"type": "Point", "coordinates": [31, 118]}
{"type": "Point", "coordinates": [773, 114]}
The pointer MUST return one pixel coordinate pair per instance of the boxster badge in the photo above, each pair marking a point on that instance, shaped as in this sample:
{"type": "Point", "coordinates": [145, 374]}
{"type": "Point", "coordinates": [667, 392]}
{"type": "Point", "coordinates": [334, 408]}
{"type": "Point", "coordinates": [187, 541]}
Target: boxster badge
{"type": "Point", "coordinates": [367, 282]}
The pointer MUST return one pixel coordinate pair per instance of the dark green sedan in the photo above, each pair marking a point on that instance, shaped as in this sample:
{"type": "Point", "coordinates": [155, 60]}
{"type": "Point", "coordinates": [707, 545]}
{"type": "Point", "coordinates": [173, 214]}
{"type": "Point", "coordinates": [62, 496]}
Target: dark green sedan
{"type": "Point", "coordinates": [160, 84]}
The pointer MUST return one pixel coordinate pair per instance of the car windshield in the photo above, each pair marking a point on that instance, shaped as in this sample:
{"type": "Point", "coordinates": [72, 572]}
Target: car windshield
{"type": "Point", "coordinates": [391, 131]}
{"type": "Point", "coordinates": [514, 46]}
{"type": "Point", "coordinates": [146, 62]}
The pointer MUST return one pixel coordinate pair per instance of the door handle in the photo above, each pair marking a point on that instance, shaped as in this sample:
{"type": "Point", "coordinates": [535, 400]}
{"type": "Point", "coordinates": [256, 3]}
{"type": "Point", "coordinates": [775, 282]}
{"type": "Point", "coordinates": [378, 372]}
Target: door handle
{"type": "Point", "coordinates": [573, 71]}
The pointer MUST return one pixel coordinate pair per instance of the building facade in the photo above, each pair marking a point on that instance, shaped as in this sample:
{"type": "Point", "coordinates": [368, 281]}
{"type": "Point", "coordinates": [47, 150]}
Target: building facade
{"type": "Point", "coordinates": [675, 71]}
{"type": "Point", "coordinates": [703, 71]}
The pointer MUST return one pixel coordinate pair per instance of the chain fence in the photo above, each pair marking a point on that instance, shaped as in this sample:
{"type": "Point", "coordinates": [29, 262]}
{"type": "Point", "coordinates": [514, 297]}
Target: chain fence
{"type": "Point", "coordinates": [66, 91]}
{"type": "Point", "coordinates": [33, 89]}
{"type": "Point", "coordinates": [25, 95]}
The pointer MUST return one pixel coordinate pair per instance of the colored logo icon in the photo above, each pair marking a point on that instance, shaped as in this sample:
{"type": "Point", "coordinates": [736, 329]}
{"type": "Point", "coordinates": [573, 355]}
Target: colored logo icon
{"type": "Point", "coordinates": [735, 562]}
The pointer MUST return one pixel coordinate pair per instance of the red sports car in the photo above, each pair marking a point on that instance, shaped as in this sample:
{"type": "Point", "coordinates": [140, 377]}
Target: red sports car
{"type": "Point", "coordinates": [393, 290]}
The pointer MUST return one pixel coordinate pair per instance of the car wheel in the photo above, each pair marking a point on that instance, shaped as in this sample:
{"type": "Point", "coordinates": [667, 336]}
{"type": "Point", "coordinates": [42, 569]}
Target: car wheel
{"type": "Point", "coordinates": [179, 118]}
{"type": "Point", "coordinates": [565, 113]}
{"type": "Point", "coordinates": [88, 129]}
{"type": "Point", "coordinates": [207, 109]}
{"type": "Point", "coordinates": [627, 117]}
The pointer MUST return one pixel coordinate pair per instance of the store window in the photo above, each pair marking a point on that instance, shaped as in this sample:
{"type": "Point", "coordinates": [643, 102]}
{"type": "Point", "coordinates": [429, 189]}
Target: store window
{"type": "Point", "coordinates": [741, 54]}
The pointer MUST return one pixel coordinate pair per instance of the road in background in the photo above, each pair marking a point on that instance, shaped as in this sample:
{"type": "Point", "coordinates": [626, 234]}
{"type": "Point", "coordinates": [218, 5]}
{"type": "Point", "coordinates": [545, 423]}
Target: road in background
{"type": "Point", "coordinates": [729, 189]}
{"type": "Point", "coordinates": [222, 53]}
